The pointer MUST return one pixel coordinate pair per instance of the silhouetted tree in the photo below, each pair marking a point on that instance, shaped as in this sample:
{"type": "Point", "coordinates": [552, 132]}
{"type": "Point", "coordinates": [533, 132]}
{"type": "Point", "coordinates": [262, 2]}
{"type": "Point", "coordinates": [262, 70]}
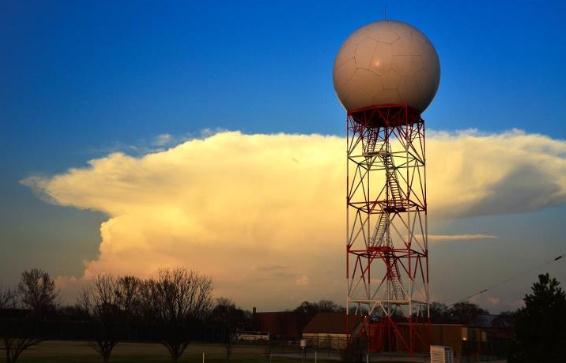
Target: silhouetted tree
{"type": "Point", "coordinates": [505, 319]}
{"type": "Point", "coordinates": [439, 313]}
{"type": "Point", "coordinates": [7, 301]}
{"type": "Point", "coordinates": [328, 306]}
{"type": "Point", "coordinates": [37, 292]}
{"type": "Point", "coordinates": [540, 334]}
{"type": "Point", "coordinates": [466, 313]}
{"type": "Point", "coordinates": [128, 296]}
{"type": "Point", "coordinates": [310, 309]}
{"type": "Point", "coordinates": [35, 296]}
{"type": "Point", "coordinates": [7, 298]}
{"type": "Point", "coordinates": [226, 318]}
{"type": "Point", "coordinates": [110, 303]}
{"type": "Point", "coordinates": [176, 303]}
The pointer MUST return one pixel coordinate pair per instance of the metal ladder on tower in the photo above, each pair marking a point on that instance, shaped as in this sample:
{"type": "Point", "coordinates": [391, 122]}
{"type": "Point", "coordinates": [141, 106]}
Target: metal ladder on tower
{"type": "Point", "coordinates": [395, 198]}
{"type": "Point", "coordinates": [372, 137]}
{"type": "Point", "coordinates": [380, 230]}
{"type": "Point", "coordinates": [393, 277]}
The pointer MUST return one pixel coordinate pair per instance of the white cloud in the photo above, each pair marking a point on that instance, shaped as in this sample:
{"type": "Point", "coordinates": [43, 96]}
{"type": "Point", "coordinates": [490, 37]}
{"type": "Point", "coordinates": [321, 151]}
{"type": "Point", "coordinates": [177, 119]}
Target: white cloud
{"type": "Point", "coordinates": [266, 212]}
{"type": "Point", "coordinates": [163, 140]}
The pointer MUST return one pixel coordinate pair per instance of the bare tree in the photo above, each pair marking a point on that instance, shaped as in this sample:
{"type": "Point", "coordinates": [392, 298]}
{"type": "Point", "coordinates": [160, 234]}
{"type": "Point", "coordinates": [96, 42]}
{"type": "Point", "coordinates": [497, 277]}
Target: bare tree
{"type": "Point", "coordinates": [176, 302]}
{"type": "Point", "coordinates": [37, 292]}
{"type": "Point", "coordinates": [35, 296]}
{"type": "Point", "coordinates": [7, 298]}
{"type": "Point", "coordinates": [109, 303]}
{"type": "Point", "coordinates": [310, 309]}
{"type": "Point", "coordinates": [128, 295]}
{"type": "Point", "coordinates": [226, 319]}
{"type": "Point", "coordinates": [7, 301]}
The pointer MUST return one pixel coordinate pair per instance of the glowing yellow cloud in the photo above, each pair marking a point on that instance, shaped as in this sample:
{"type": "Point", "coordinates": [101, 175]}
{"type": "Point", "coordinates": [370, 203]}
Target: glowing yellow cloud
{"type": "Point", "coordinates": [264, 214]}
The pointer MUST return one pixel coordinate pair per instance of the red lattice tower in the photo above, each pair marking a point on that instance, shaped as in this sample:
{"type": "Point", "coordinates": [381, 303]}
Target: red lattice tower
{"type": "Point", "coordinates": [387, 247]}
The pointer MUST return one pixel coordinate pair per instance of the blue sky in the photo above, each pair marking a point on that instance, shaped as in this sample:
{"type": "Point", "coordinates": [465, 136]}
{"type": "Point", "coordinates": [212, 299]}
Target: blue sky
{"type": "Point", "coordinates": [79, 79]}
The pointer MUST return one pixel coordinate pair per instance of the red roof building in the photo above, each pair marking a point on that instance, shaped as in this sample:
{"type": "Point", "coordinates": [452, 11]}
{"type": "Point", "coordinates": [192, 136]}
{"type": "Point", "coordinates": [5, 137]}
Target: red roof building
{"type": "Point", "coordinates": [282, 325]}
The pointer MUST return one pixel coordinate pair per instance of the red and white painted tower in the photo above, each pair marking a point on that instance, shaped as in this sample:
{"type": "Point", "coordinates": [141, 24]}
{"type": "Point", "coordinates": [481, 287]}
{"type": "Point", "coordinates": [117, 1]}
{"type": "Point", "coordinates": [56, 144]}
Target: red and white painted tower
{"type": "Point", "coordinates": [385, 75]}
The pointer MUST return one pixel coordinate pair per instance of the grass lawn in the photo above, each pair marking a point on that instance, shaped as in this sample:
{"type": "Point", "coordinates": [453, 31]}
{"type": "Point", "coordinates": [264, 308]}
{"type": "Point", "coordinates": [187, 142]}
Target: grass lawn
{"type": "Point", "coordinates": [83, 352]}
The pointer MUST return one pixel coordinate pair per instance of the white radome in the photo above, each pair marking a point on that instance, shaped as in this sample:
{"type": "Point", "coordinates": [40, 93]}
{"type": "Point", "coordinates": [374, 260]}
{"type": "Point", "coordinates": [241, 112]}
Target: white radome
{"type": "Point", "coordinates": [386, 62]}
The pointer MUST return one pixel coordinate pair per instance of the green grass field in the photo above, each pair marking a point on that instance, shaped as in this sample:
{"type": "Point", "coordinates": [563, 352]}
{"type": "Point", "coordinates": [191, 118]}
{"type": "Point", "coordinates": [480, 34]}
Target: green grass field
{"type": "Point", "coordinates": [83, 352]}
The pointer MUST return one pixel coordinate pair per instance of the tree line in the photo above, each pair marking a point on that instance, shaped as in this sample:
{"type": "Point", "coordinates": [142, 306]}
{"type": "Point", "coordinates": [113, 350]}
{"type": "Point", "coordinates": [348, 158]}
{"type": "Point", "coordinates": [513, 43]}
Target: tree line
{"type": "Point", "coordinates": [176, 307]}
{"type": "Point", "coordinates": [539, 327]}
{"type": "Point", "coordinates": [173, 309]}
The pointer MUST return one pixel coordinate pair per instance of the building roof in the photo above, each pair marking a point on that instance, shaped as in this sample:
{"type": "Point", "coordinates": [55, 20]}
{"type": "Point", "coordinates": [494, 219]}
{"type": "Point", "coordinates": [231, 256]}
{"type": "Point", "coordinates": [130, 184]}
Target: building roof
{"type": "Point", "coordinates": [280, 325]}
{"type": "Point", "coordinates": [332, 323]}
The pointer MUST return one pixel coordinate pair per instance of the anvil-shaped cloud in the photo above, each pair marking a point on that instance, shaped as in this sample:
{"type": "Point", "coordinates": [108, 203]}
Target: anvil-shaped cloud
{"type": "Point", "coordinates": [264, 214]}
